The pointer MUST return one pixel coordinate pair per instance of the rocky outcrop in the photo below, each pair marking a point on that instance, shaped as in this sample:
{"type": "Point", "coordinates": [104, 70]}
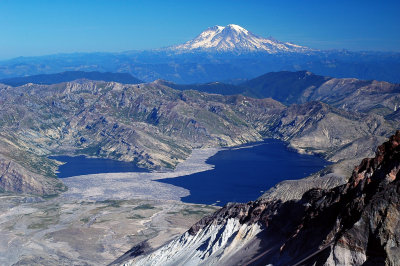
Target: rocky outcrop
{"type": "Point", "coordinates": [16, 178]}
{"type": "Point", "coordinates": [353, 224]}
{"type": "Point", "coordinates": [222, 241]}
{"type": "Point", "coordinates": [22, 171]}
{"type": "Point", "coordinates": [318, 128]}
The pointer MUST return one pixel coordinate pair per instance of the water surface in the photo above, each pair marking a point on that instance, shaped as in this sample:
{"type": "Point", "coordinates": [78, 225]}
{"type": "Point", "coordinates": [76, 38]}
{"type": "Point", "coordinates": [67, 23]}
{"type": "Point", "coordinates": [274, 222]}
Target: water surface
{"type": "Point", "coordinates": [81, 165]}
{"type": "Point", "coordinates": [240, 174]}
{"type": "Point", "coordinates": [243, 174]}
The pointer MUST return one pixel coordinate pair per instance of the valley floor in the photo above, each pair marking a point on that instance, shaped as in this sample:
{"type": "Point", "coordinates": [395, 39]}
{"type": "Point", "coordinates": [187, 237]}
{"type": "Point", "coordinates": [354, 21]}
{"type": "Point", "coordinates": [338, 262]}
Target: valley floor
{"type": "Point", "coordinates": [102, 216]}
{"type": "Point", "coordinates": [35, 231]}
{"type": "Point", "coordinates": [99, 218]}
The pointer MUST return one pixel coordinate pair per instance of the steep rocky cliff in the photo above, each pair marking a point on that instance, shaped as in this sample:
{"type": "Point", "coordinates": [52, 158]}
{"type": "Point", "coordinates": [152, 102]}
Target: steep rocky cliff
{"type": "Point", "coordinates": [357, 223]}
{"type": "Point", "coordinates": [14, 177]}
{"type": "Point", "coordinates": [24, 171]}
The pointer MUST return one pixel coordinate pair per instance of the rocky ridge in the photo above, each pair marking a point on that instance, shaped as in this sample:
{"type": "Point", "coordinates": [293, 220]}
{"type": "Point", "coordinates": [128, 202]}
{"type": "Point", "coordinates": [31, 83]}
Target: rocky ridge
{"type": "Point", "coordinates": [367, 96]}
{"type": "Point", "coordinates": [157, 127]}
{"type": "Point", "coordinates": [350, 94]}
{"type": "Point", "coordinates": [352, 224]}
{"type": "Point", "coordinates": [68, 76]}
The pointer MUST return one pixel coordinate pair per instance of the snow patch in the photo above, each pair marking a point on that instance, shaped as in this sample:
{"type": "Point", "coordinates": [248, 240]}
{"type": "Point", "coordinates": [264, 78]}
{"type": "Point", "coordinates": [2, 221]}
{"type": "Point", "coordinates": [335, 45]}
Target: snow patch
{"type": "Point", "coordinates": [343, 256]}
{"type": "Point", "coordinates": [209, 246]}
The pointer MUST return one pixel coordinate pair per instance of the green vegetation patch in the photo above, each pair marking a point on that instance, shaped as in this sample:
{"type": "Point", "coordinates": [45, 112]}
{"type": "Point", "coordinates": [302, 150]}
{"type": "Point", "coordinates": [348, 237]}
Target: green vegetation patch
{"type": "Point", "coordinates": [112, 203]}
{"type": "Point", "coordinates": [43, 224]}
{"type": "Point", "coordinates": [135, 217]}
{"type": "Point", "coordinates": [144, 207]}
{"type": "Point", "coordinates": [85, 220]}
{"type": "Point", "coordinates": [92, 150]}
{"type": "Point", "coordinates": [187, 212]}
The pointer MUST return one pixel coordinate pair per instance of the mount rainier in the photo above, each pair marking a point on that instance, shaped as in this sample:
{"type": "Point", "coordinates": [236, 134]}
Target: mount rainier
{"type": "Point", "coordinates": [229, 54]}
{"type": "Point", "coordinates": [234, 38]}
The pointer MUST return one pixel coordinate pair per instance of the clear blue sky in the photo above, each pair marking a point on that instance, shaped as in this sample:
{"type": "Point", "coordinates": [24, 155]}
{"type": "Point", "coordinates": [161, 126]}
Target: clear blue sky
{"type": "Point", "coordinates": [37, 27]}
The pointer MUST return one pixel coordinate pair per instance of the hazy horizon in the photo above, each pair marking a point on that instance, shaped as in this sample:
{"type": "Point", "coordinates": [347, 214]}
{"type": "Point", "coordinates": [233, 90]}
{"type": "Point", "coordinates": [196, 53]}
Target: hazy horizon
{"type": "Point", "coordinates": [51, 27]}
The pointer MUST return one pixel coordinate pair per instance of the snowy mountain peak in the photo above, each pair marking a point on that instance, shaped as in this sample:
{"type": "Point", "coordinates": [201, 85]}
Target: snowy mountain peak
{"type": "Point", "coordinates": [237, 28]}
{"type": "Point", "coordinates": [234, 38]}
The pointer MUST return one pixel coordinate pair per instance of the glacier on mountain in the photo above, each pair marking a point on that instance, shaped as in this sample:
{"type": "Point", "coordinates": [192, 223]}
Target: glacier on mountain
{"type": "Point", "coordinates": [234, 38]}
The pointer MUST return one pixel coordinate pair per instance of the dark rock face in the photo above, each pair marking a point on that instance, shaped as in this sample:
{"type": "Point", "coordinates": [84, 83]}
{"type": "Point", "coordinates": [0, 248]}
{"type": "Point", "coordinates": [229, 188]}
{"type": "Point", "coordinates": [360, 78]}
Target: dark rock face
{"type": "Point", "coordinates": [362, 216]}
{"type": "Point", "coordinates": [357, 223]}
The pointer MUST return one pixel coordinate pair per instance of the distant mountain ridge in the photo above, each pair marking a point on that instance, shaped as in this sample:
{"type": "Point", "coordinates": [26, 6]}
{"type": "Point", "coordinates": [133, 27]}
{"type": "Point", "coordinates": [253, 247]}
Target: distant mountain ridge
{"type": "Point", "coordinates": [300, 87]}
{"type": "Point", "coordinates": [218, 54]}
{"type": "Point", "coordinates": [368, 96]}
{"type": "Point", "coordinates": [284, 86]}
{"type": "Point", "coordinates": [287, 86]}
{"type": "Point", "coordinates": [211, 87]}
{"type": "Point", "coordinates": [234, 38]}
{"type": "Point", "coordinates": [67, 76]}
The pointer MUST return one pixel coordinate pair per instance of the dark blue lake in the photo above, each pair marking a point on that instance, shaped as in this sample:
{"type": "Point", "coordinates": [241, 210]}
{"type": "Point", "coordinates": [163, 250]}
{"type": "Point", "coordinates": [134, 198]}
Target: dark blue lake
{"type": "Point", "coordinates": [81, 165]}
{"type": "Point", "coordinates": [241, 175]}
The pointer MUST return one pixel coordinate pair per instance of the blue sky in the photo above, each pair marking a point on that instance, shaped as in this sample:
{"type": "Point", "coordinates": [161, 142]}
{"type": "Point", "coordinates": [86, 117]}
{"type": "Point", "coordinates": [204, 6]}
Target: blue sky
{"type": "Point", "coordinates": [37, 27]}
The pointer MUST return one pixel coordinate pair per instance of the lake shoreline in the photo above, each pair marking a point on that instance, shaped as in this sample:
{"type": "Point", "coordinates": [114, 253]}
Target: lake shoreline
{"type": "Point", "coordinates": [133, 185]}
{"type": "Point", "coordinates": [243, 173]}
{"type": "Point", "coordinates": [168, 185]}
